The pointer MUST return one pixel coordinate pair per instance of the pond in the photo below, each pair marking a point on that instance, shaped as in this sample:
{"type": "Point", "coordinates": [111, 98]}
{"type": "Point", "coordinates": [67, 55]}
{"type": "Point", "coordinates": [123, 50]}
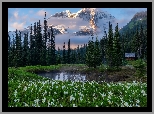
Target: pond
{"type": "Point", "coordinates": [65, 76]}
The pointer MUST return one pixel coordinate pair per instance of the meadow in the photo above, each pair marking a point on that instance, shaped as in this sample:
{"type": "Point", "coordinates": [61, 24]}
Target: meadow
{"type": "Point", "coordinates": [27, 89]}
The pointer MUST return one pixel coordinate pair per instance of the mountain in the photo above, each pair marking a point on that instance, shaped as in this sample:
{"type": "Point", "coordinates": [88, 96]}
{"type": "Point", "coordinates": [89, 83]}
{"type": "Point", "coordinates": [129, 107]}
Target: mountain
{"type": "Point", "coordinates": [138, 19]}
{"type": "Point", "coordinates": [97, 19]}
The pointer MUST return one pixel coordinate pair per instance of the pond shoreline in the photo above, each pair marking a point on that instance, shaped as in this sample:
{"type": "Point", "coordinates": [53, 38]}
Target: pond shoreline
{"type": "Point", "coordinates": [126, 73]}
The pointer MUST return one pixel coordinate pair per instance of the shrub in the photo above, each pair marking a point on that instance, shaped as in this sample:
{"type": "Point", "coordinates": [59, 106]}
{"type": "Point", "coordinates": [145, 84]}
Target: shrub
{"type": "Point", "coordinates": [140, 67]}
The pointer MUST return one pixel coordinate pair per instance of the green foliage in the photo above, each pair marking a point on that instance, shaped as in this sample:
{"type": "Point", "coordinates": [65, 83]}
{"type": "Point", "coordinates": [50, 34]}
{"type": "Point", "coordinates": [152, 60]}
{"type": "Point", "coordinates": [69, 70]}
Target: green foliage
{"type": "Point", "coordinates": [51, 49]}
{"type": "Point", "coordinates": [25, 53]}
{"type": "Point", "coordinates": [109, 51]}
{"type": "Point", "coordinates": [140, 66]}
{"type": "Point", "coordinates": [117, 49]}
{"type": "Point", "coordinates": [58, 57]}
{"type": "Point", "coordinates": [97, 53]}
{"type": "Point", "coordinates": [103, 68]}
{"type": "Point", "coordinates": [64, 54]}
{"type": "Point", "coordinates": [112, 69]}
{"type": "Point", "coordinates": [93, 54]}
{"type": "Point", "coordinates": [68, 52]}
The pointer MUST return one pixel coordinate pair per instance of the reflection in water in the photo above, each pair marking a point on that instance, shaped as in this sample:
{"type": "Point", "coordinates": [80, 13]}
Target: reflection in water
{"type": "Point", "coordinates": [64, 76]}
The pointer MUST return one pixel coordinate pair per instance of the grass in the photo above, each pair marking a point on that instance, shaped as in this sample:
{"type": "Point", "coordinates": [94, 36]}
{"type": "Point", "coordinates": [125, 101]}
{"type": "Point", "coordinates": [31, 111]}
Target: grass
{"type": "Point", "coordinates": [26, 89]}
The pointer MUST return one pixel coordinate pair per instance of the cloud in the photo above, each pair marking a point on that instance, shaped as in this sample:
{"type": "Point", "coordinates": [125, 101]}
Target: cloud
{"type": "Point", "coordinates": [16, 14]}
{"type": "Point", "coordinates": [18, 26]}
{"type": "Point", "coordinates": [74, 40]}
{"type": "Point", "coordinates": [41, 13]}
{"type": "Point", "coordinates": [24, 17]}
{"type": "Point", "coordinates": [73, 24]}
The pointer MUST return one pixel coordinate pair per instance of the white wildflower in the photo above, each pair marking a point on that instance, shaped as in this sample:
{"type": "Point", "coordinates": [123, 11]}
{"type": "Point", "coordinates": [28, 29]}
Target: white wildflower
{"type": "Point", "coordinates": [35, 85]}
{"type": "Point", "coordinates": [43, 100]}
{"type": "Point", "coordinates": [25, 88]}
{"type": "Point", "coordinates": [81, 94]}
{"type": "Point", "coordinates": [52, 103]}
{"type": "Point", "coordinates": [65, 92]}
{"type": "Point", "coordinates": [55, 93]}
{"type": "Point", "coordinates": [130, 105]}
{"type": "Point", "coordinates": [31, 89]}
{"type": "Point", "coordinates": [109, 97]}
{"type": "Point", "coordinates": [15, 93]}
{"type": "Point", "coordinates": [103, 95]}
{"type": "Point", "coordinates": [74, 105]}
{"type": "Point", "coordinates": [109, 102]}
{"type": "Point", "coordinates": [26, 104]}
{"type": "Point", "coordinates": [15, 100]}
{"type": "Point", "coordinates": [96, 105]}
{"type": "Point", "coordinates": [137, 101]}
{"type": "Point", "coordinates": [45, 92]}
{"type": "Point", "coordinates": [19, 86]}
{"type": "Point", "coordinates": [81, 99]}
{"type": "Point", "coordinates": [129, 84]}
{"type": "Point", "coordinates": [143, 92]}
{"type": "Point", "coordinates": [122, 105]}
{"type": "Point", "coordinates": [56, 86]}
{"type": "Point", "coordinates": [63, 87]}
{"type": "Point", "coordinates": [126, 104]}
{"type": "Point", "coordinates": [61, 105]}
{"type": "Point", "coordinates": [36, 101]}
{"type": "Point", "coordinates": [127, 87]}
{"type": "Point", "coordinates": [108, 85]}
{"type": "Point", "coordinates": [110, 93]}
{"type": "Point", "coordinates": [72, 98]}
{"type": "Point", "coordinates": [48, 102]}
{"type": "Point", "coordinates": [137, 105]}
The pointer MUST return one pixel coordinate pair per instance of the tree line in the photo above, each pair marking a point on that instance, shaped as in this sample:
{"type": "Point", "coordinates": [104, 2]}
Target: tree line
{"type": "Point", "coordinates": [39, 48]}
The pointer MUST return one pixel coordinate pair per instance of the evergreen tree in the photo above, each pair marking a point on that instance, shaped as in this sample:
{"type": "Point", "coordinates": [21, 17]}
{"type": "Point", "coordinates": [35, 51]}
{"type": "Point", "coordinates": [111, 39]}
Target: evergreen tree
{"type": "Point", "coordinates": [78, 55]}
{"type": "Point", "coordinates": [97, 54]}
{"type": "Point", "coordinates": [136, 44]}
{"type": "Point", "coordinates": [32, 46]}
{"type": "Point", "coordinates": [73, 57]}
{"type": "Point", "coordinates": [25, 54]}
{"type": "Point", "coordinates": [18, 57]}
{"type": "Point", "coordinates": [82, 54]}
{"type": "Point", "coordinates": [44, 62]}
{"type": "Point", "coordinates": [58, 57]}
{"type": "Point", "coordinates": [109, 48]}
{"type": "Point", "coordinates": [12, 59]}
{"type": "Point", "coordinates": [68, 52]}
{"type": "Point", "coordinates": [41, 46]}
{"type": "Point", "coordinates": [52, 54]}
{"type": "Point", "coordinates": [90, 54]}
{"type": "Point", "coordinates": [117, 49]}
{"type": "Point", "coordinates": [64, 55]}
{"type": "Point", "coordinates": [103, 44]}
{"type": "Point", "coordinates": [142, 43]}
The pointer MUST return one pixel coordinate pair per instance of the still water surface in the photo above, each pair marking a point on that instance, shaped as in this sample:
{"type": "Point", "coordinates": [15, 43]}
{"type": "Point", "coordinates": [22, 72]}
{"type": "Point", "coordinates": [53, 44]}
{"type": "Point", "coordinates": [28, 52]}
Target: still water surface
{"type": "Point", "coordinates": [64, 76]}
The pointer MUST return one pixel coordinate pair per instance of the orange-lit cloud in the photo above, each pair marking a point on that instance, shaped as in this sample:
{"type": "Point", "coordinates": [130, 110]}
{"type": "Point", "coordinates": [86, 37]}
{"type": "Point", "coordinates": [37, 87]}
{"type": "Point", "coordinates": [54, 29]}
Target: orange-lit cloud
{"type": "Point", "coordinates": [41, 13]}
{"type": "Point", "coordinates": [18, 26]}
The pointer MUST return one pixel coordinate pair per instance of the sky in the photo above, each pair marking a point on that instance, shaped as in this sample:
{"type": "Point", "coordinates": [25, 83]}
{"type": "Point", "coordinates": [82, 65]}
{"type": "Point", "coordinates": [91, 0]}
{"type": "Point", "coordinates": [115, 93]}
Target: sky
{"type": "Point", "coordinates": [20, 18]}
